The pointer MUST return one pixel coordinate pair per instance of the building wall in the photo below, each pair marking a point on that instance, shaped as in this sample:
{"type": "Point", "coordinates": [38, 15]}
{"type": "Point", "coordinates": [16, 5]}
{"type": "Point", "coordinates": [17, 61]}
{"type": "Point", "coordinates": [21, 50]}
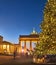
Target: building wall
{"type": "Point", "coordinates": [11, 49]}
{"type": "Point", "coordinates": [6, 47]}
{"type": "Point", "coordinates": [1, 38]}
{"type": "Point", "coordinates": [26, 41]}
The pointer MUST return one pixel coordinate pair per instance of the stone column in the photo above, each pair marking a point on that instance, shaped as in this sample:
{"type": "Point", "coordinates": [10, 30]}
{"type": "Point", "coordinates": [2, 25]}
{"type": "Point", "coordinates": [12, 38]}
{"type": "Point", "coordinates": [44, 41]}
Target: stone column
{"type": "Point", "coordinates": [25, 46]}
{"type": "Point", "coordinates": [10, 48]}
{"type": "Point", "coordinates": [20, 47]}
{"type": "Point", "coordinates": [2, 48]}
{"type": "Point", "coordinates": [6, 48]}
{"type": "Point", "coordinates": [30, 45]}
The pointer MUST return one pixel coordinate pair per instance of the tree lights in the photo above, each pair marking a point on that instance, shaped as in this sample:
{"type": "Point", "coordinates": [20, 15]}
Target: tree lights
{"type": "Point", "coordinates": [47, 37]}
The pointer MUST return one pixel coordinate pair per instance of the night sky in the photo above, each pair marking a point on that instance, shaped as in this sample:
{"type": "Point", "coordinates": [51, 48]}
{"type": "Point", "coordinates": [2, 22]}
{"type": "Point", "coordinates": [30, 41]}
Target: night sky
{"type": "Point", "coordinates": [19, 17]}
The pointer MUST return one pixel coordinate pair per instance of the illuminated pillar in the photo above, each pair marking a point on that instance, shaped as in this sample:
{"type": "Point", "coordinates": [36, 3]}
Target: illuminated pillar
{"type": "Point", "coordinates": [2, 48]}
{"type": "Point", "coordinates": [30, 45]}
{"type": "Point", "coordinates": [6, 49]}
{"type": "Point", "coordinates": [10, 48]}
{"type": "Point", "coordinates": [25, 46]}
{"type": "Point", "coordinates": [20, 47]}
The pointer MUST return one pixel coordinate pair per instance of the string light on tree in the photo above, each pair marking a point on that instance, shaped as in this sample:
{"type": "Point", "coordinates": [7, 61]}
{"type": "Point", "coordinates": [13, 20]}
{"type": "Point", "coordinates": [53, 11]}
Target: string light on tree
{"type": "Point", "coordinates": [47, 37]}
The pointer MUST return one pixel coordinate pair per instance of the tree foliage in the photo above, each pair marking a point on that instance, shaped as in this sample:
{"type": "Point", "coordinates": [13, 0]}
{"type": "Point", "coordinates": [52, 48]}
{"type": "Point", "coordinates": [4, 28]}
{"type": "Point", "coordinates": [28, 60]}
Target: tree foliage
{"type": "Point", "coordinates": [47, 37]}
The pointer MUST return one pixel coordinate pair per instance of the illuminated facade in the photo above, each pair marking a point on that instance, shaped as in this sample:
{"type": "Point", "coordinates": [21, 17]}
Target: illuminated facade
{"type": "Point", "coordinates": [26, 42]}
{"type": "Point", "coordinates": [6, 47]}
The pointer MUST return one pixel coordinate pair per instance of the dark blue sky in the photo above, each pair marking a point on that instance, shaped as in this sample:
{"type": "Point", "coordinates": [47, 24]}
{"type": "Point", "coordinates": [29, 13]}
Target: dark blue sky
{"type": "Point", "coordinates": [19, 17]}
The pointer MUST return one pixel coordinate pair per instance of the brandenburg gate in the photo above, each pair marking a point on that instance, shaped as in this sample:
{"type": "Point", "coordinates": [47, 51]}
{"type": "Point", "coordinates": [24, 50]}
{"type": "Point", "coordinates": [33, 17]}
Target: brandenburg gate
{"type": "Point", "coordinates": [28, 41]}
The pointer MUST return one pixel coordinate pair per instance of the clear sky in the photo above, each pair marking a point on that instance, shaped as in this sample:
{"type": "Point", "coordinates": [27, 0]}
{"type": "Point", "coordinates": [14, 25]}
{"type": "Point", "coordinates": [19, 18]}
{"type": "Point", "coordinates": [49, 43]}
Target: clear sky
{"type": "Point", "coordinates": [19, 17]}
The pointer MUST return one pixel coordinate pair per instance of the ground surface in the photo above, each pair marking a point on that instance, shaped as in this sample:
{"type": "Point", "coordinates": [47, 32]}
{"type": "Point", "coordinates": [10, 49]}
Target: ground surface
{"type": "Point", "coordinates": [23, 60]}
{"type": "Point", "coordinates": [18, 60]}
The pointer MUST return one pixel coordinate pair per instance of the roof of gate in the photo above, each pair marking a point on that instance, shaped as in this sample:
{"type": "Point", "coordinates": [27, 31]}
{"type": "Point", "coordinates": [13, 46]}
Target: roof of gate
{"type": "Point", "coordinates": [29, 36]}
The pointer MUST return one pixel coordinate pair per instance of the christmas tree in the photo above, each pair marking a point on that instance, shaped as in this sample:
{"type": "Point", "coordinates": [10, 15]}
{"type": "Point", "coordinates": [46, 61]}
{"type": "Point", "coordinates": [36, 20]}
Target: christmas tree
{"type": "Point", "coordinates": [47, 44]}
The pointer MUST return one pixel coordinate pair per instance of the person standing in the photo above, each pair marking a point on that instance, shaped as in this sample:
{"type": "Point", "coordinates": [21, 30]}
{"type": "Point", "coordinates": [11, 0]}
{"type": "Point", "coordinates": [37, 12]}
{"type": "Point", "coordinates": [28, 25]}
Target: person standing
{"type": "Point", "coordinates": [14, 54]}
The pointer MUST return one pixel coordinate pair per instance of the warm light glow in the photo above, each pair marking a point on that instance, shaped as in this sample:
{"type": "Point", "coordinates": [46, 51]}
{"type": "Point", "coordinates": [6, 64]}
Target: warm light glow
{"type": "Point", "coordinates": [4, 46]}
{"type": "Point", "coordinates": [22, 43]}
{"type": "Point", "coordinates": [34, 59]}
{"type": "Point", "coordinates": [22, 50]}
{"type": "Point", "coordinates": [28, 44]}
{"type": "Point", "coordinates": [8, 48]}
